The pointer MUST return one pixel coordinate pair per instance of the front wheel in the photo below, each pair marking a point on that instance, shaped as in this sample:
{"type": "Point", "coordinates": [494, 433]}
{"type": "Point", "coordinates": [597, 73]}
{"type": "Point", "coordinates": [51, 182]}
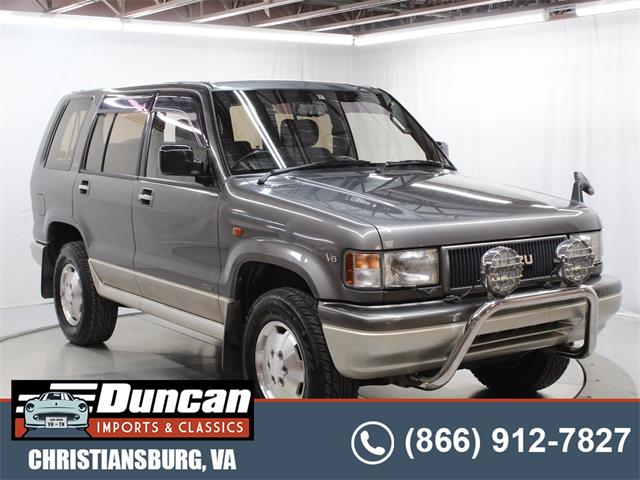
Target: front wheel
{"type": "Point", "coordinates": [285, 353]}
{"type": "Point", "coordinates": [531, 372]}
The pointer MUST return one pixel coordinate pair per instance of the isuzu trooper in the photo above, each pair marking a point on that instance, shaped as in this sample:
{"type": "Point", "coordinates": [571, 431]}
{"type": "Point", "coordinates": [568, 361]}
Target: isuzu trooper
{"type": "Point", "coordinates": [318, 231]}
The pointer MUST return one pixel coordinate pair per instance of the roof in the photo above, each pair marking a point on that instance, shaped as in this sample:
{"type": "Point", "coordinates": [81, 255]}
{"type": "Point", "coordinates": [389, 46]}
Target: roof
{"type": "Point", "coordinates": [283, 85]}
{"type": "Point", "coordinates": [235, 85]}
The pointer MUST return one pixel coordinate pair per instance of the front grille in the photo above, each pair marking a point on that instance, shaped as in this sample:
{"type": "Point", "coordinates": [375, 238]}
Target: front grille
{"type": "Point", "coordinates": [464, 261]}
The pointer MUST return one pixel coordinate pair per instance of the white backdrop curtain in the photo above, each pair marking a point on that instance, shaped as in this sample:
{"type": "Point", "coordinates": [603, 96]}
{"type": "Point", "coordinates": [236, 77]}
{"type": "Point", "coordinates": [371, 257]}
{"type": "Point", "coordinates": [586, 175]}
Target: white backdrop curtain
{"type": "Point", "coordinates": [525, 106]}
{"type": "Point", "coordinates": [40, 65]}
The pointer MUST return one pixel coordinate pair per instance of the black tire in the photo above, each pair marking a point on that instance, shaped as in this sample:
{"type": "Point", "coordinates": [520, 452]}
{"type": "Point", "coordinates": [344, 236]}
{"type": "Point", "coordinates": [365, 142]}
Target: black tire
{"type": "Point", "coordinates": [98, 317]}
{"type": "Point", "coordinates": [531, 372]}
{"type": "Point", "coordinates": [299, 312]}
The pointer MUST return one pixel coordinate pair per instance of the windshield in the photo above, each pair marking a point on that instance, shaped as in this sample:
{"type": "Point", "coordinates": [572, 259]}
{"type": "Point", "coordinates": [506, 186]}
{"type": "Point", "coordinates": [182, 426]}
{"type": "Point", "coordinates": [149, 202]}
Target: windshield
{"type": "Point", "coordinates": [55, 396]}
{"type": "Point", "coordinates": [262, 130]}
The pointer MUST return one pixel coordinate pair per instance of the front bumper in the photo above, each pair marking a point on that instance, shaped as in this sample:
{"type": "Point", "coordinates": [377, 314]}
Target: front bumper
{"type": "Point", "coordinates": [37, 418]}
{"type": "Point", "coordinates": [367, 342]}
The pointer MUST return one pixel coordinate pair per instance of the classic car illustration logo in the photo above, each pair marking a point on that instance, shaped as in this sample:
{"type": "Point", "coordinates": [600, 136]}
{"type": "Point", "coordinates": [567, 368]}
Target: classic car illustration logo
{"type": "Point", "coordinates": [142, 409]}
{"type": "Point", "coordinates": [56, 410]}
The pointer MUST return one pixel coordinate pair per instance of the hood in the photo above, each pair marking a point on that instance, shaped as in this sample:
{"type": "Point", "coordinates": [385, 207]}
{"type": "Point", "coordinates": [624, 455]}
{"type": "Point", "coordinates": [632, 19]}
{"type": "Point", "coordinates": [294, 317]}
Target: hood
{"type": "Point", "coordinates": [418, 209]}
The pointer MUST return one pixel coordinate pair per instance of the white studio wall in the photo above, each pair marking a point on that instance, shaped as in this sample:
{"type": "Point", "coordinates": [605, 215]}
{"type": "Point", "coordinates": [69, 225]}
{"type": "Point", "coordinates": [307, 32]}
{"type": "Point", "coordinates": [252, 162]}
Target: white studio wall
{"type": "Point", "coordinates": [38, 65]}
{"type": "Point", "coordinates": [525, 105]}
{"type": "Point", "coordinates": [528, 105]}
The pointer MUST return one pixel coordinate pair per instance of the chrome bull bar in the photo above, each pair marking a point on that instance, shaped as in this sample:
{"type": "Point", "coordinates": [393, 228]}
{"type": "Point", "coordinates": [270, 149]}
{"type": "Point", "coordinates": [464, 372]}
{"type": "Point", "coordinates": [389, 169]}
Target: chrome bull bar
{"type": "Point", "coordinates": [526, 299]}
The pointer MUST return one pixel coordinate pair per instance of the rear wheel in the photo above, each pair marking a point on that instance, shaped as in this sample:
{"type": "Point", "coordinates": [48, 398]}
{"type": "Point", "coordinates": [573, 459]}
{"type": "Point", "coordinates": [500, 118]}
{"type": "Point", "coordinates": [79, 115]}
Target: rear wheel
{"type": "Point", "coordinates": [531, 372]}
{"type": "Point", "coordinates": [285, 352]}
{"type": "Point", "coordinates": [84, 316]}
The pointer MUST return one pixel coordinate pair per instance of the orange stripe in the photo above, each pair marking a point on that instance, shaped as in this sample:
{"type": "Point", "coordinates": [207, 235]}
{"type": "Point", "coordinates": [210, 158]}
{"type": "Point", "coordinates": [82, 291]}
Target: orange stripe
{"type": "Point", "coordinates": [437, 400]}
{"type": "Point", "coordinates": [450, 400]}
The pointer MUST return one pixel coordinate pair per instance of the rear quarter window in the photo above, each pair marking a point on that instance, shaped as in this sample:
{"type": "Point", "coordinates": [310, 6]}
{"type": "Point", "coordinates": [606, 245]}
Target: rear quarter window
{"type": "Point", "coordinates": [65, 139]}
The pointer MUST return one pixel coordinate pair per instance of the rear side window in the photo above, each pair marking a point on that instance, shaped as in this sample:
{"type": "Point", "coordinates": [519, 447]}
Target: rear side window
{"type": "Point", "coordinates": [95, 155]}
{"type": "Point", "coordinates": [65, 139]}
{"type": "Point", "coordinates": [115, 143]}
{"type": "Point", "coordinates": [123, 148]}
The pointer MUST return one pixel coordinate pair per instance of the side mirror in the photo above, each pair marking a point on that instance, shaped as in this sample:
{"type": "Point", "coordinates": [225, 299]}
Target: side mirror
{"type": "Point", "coordinates": [581, 184]}
{"type": "Point", "coordinates": [179, 160]}
{"type": "Point", "coordinates": [444, 146]}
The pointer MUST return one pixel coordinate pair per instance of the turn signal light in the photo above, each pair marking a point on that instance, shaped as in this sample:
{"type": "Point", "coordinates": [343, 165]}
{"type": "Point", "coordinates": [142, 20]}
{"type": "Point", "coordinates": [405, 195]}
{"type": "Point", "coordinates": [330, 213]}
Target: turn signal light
{"type": "Point", "coordinates": [362, 270]}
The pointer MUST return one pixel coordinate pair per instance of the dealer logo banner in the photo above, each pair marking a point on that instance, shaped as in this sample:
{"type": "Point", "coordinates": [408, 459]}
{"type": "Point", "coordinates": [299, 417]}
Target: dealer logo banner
{"type": "Point", "coordinates": [142, 409]}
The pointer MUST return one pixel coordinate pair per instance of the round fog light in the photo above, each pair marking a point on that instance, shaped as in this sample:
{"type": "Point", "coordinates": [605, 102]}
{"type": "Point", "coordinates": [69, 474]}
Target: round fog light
{"type": "Point", "coordinates": [575, 257]}
{"type": "Point", "coordinates": [501, 270]}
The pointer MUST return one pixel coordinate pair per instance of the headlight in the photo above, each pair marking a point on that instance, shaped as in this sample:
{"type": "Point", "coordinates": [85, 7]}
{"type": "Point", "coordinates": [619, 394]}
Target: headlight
{"type": "Point", "coordinates": [595, 240]}
{"type": "Point", "coordinates": [406, 268]}
{"type": "Point", "coordinates": [82, 407]}
{"type": "Point", "coordinates": [411, 268]}
{"type": "Point", "coordinates": [30, 407]}
{"type": "Point", "coordinates": [362, 270]}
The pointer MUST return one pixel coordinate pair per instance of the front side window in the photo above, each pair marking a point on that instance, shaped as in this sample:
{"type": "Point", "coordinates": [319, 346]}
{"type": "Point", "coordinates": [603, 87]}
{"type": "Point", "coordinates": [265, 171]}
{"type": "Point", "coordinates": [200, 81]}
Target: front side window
{"type": "Point", "coordinates": [65, 139]}
{"type": "Point", "coordinates": [177, 121]}
{"type": "Point", "coordinates": [267, 129]}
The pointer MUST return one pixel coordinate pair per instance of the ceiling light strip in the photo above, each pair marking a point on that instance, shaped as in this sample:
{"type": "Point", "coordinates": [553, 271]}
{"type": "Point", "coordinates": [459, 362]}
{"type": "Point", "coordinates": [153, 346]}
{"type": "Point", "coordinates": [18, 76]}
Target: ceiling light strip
{"type": "Point", "coordinates": [254, 7]}
{"type": "Point", "coordinates": [451, 27]}
{"type": "Point", "coordinates": [433, 10]}
{"type": "Point", "coordinates": [161, 7]}
{"type": "Point", "coordinates": [172, 28]}
{"type": "Point", "coordinates": [349, 7]}
{"type": "Point", "coordinates": [597, 8]}
{"type": "Point", "coordinates": [72, 6]}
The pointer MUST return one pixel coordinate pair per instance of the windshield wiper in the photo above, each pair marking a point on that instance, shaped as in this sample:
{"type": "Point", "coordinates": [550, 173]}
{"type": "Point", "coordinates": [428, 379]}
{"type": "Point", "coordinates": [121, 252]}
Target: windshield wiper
{"type": "Point", "coordinates": [310, 166]}
{"type": "Point", "coordinates": [414, 163]}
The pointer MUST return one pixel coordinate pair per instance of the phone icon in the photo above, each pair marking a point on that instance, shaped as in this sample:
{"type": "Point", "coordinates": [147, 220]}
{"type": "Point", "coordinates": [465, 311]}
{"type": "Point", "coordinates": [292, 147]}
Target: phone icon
{"type": "Point", "coordinates": [372, 443]}
{"type": "Point", "coordinates": [364, 439]}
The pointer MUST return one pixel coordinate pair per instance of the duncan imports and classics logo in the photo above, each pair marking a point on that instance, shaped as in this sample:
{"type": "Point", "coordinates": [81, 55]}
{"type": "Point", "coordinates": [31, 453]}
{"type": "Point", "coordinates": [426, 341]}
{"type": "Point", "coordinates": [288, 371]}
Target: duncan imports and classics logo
{"type": "Point", "coordinates": [143, 409]}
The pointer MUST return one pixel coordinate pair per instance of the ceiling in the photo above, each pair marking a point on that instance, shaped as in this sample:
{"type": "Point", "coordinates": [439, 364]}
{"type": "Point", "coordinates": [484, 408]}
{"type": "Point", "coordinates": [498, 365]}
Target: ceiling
{"type": "Point", "coordinates": [335, 16]}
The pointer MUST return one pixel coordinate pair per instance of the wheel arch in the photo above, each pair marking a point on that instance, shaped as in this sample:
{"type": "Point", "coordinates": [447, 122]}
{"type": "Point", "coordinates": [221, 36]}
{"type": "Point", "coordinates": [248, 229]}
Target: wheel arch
{"type": "Point", "coordinates": [58, 233]}
{"type": "Point", "coordinates": [252, 279]}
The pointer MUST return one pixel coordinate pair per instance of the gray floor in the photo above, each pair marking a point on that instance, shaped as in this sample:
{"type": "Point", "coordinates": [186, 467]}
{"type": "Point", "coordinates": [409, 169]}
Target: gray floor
{"type": "Point", "coordinates": [146, 347]}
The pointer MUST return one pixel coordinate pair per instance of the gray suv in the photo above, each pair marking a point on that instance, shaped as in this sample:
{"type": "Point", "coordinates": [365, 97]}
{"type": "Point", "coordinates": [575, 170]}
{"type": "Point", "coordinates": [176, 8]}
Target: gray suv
{"type": "Point", "coordinates": [318, 231]}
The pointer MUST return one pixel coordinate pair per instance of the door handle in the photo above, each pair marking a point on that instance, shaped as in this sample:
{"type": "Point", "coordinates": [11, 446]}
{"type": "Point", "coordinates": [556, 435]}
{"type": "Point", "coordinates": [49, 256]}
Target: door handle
{"type": "Point", "coordinates": [145, 197]}
{"type": "Point", "coordinates": [84, 187]}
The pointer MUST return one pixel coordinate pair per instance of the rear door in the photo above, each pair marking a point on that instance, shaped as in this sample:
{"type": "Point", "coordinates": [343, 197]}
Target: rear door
{"type": "Point", "coordinates": [104, 187]}
{"type": "Point", "coordinates": [175, 218]}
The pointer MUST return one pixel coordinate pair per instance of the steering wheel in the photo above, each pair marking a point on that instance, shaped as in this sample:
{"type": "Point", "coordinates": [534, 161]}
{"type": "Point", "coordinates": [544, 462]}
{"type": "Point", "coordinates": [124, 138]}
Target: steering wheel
{"type": "Point", "coordinates": [245, 158]}
{"type": "Point", "coordinates": [252, 153]}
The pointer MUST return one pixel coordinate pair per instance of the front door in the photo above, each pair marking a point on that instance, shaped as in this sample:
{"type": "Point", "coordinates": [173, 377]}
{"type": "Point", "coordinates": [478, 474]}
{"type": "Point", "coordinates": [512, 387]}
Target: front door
{"type": "Point", "coordinates": [175, 218]}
